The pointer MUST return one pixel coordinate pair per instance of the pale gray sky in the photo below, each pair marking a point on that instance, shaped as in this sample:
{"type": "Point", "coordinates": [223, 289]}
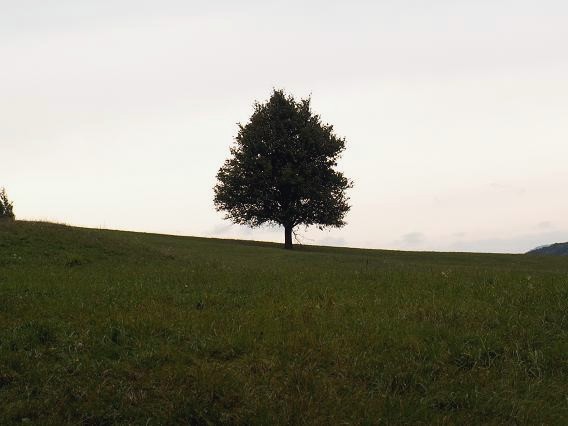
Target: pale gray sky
{"type": "Point", "coordinates": [118, 114]}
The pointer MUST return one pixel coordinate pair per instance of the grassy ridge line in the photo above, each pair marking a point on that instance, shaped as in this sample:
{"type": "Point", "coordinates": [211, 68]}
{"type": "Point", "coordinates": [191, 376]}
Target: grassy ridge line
{"type": "Point", "coordinates": [458, 258]}
{"type": "Point", "coordinates": [101, 327]}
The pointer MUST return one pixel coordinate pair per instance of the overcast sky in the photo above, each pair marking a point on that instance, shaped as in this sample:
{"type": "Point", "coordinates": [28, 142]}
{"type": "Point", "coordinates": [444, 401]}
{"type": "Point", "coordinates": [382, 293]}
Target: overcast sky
{"type": "Point", "coordinates": [118, 114]}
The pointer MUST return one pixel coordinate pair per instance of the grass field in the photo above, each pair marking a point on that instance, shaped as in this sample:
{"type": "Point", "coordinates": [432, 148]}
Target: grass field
{"type": "Point", "coordinates": [108, 327]}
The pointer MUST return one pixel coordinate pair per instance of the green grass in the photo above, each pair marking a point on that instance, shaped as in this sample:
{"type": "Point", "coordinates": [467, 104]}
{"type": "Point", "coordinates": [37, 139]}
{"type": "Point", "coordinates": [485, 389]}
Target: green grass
{"type": "Point", "coordinates": [107, 327]}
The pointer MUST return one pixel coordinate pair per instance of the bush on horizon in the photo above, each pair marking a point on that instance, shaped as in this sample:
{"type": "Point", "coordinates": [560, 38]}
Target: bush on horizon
{"type": "Point", "coordinates": [6, 206]}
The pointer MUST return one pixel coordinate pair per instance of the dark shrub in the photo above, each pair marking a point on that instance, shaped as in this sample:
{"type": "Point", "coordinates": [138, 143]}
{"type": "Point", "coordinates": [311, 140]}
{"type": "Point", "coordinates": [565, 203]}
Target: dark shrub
{"type": "Point", "coordinates": [6, 207]}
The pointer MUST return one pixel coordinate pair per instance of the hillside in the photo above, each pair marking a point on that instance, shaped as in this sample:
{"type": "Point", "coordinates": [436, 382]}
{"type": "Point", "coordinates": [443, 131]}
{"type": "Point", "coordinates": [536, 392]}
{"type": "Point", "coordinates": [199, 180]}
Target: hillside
{"type": "Point", "coordinates": [558, 249]}
{"type": "Point", "coordinates": [104, 327]}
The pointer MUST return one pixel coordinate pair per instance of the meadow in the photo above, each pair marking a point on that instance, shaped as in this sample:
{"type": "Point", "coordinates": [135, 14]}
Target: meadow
{"type": "Point", "coordinates": [105, 327]}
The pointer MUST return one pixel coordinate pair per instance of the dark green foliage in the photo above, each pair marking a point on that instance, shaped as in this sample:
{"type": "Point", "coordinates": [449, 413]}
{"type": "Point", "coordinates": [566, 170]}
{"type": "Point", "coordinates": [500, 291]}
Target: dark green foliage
{"type": "Point", "coordinates": [160, 330]}
{"type": "Point", "coordinates": [557, 249]}
{"type": "Point", "coordinates": [6, 207]}
{"type": "Point", "coordinates": [282, 169]}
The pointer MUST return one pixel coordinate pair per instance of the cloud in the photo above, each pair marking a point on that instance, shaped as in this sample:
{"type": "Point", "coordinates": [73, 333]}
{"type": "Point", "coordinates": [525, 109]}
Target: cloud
{"type": "Point", "coordinates": [516, 244]}
{"type": "Point", "coordinates": [413, 238]}
{"type": "Point", "coordinates": [408, 241]}
{"type": "Point", "coordinates": [332, 241]}
{"type": "Point", "coordinates": [242, 232]}
{"type": "Point", "coordinates": [506, 188]}
{"type": "Point", "coordinates": [220, 229]}
{"type": "Point", "coordinates": [229, 229]}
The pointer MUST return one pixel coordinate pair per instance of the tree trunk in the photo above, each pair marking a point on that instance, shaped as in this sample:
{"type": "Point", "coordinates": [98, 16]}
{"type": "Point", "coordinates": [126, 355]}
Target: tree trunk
{"type": "Point", "coordinates": [288, 237]}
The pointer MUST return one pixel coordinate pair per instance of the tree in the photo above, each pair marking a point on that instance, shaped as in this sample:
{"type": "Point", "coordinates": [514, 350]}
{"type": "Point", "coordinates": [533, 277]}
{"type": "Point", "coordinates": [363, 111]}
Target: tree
{"type": "Point", "coordinates": [281, 170]}
{"type": "Point", "coordinates": [6, 207]}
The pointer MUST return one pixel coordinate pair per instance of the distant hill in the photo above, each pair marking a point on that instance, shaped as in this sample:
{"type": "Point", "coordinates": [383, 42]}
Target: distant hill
{"type": "Point", "coordinates": [558, 249]}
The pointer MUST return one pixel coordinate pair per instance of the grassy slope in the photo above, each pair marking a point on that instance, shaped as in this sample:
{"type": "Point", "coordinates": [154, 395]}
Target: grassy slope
{"type": "Point", "coordinates": [106, 327]}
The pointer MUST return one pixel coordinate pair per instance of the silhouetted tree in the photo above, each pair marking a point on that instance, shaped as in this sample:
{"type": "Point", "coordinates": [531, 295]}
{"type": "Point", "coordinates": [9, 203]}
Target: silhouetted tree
{"type": "Point", "coordinates": [6, 207]}
{"type": "Point", "coordinates": [282, 170]}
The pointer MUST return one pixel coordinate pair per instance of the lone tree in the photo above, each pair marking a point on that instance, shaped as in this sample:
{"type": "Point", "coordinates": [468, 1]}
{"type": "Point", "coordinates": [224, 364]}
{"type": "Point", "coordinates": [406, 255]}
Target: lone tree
{"type": "Point", "coordinates": [6, 207]}
{"type": "Point", "coordinates": [281, 171]}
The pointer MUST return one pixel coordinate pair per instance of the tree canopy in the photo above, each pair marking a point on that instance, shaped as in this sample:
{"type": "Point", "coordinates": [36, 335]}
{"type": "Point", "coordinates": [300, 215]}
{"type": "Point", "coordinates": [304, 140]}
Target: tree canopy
{"type": "Point", "coordinates": [6, 207]}
{"type": "Point", "coordinates": [282, 169]}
